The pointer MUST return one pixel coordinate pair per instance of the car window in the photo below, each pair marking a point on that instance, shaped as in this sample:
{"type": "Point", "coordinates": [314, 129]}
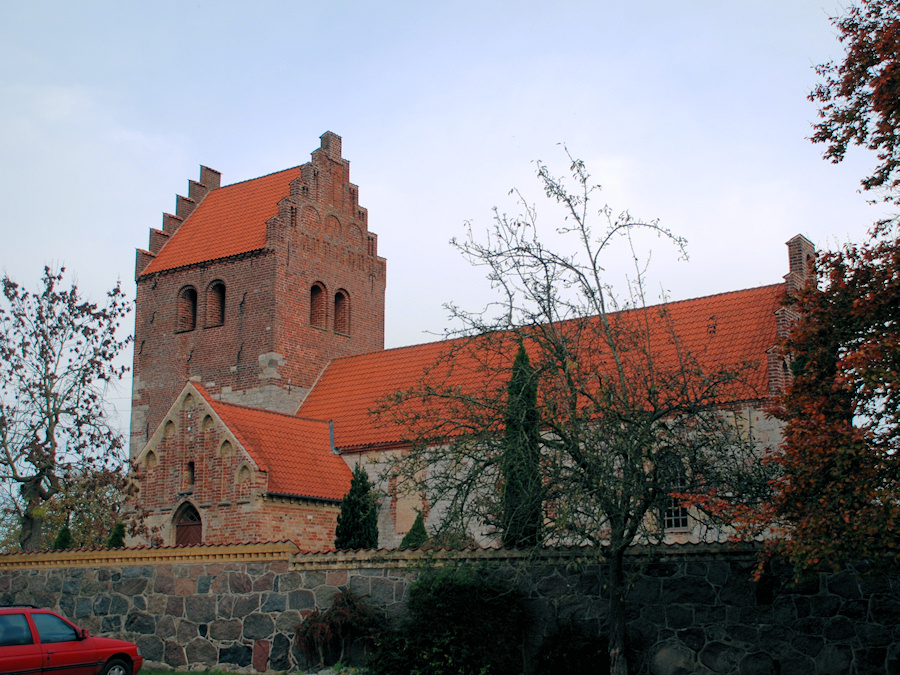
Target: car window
{"type": "Point", "coordinates": [14, 630]}
{"type": "Point", "coordinates": [53, 629]}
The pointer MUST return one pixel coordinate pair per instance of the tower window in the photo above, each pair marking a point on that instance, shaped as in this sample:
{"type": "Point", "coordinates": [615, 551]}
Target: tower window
{"type": "Point", "coordinates": [318, 312]}
{"type": "Point", "coordinates": [187, 310]}
{"type": "Point", "coordinates": [341, 313]}
{"type": "Point", "coordinates": [215, 304]}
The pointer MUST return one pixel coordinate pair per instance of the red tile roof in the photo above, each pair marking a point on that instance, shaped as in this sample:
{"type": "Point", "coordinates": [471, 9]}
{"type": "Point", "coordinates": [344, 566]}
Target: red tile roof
{"type": "Point", "coordinates": [229, 221]}
{"type": "Point", "coordinates": [295, 452]}
{"type": "Point", "coordinates": [719, 331]}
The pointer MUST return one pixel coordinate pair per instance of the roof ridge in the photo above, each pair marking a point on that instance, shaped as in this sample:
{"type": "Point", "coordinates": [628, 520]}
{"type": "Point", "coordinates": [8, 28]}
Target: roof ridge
{"type": "Point", "coordinates": [701, 297]}
{"type": "Point", "coordinates": [448, 340]}
{"type": "Point", "coordinates": [265, 175]}
{"type": "Point", "coordinates": [244, 406]}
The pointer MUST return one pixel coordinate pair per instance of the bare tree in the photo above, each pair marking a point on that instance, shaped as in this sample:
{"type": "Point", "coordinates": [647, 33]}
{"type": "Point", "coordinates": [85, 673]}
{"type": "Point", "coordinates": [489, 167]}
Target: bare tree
{"type": "Point", "coordinates": [632, 419]}
{"type": "Point", "coordinates": [57, 356]}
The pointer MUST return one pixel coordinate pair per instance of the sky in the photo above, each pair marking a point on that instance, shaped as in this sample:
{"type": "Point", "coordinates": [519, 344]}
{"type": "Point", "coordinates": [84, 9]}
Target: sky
{"type": "Point", "coordinates": [694, 113]}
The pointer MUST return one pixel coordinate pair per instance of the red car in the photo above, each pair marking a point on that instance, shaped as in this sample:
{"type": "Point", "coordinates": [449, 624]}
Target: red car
{"type": "Point", "coordinates": [36, 641]}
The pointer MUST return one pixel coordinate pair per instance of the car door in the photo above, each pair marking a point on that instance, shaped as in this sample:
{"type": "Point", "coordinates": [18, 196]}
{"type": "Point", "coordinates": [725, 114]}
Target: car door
{"type": "Point", "coordinates": [62, 649]}
{"type": "Point", "coordinates": [19, 653]}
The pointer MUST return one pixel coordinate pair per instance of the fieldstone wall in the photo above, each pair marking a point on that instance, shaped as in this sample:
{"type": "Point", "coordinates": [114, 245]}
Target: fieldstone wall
{"type": "Point", "coordinates": [692, 610]}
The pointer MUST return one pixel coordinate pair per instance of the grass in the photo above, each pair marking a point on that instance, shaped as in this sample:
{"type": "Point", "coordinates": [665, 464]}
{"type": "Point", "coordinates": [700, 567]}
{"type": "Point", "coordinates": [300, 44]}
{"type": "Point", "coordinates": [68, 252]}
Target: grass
{"type": "Point", "coordinates": [342, 670]}
{"type": "Point", "coordinates": [150, 671]}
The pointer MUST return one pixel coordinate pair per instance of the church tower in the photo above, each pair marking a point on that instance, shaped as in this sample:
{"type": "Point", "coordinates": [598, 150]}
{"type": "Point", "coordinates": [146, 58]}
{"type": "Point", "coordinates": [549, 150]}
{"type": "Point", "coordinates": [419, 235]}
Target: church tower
{"type": "Point", "coordinates": [251, 289]}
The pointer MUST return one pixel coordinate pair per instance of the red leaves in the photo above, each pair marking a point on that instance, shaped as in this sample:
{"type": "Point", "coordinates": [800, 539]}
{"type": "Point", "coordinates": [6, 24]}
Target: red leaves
{"type": "Point", "coordinates": [859, 96]}
{"type": "Point", "coordinates": [838, 497]}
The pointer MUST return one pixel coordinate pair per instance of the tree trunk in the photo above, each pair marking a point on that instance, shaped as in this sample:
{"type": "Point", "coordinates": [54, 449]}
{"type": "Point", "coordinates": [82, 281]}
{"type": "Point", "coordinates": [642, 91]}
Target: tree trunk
{"type": "Point", "coordinates": [31, 535]}
{"type": "Point", "coordinates": [618, 660]}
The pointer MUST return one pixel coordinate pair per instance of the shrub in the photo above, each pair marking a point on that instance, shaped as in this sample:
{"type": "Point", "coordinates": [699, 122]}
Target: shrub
{"type": "Point", "coordinates": [357, 523]}
{"type": "Point", "coordinates": [458, 624]}
{"type": "Point", "coordinates": [417, 534]}
{"type": "Point", "coordinates": [116, 537]}
{"type": "Point", "coordinates": [569, 650]}
{"type": "Point", "coordinates": [328, 635]}
{"type": "Point", "coordinates": [63, 540]}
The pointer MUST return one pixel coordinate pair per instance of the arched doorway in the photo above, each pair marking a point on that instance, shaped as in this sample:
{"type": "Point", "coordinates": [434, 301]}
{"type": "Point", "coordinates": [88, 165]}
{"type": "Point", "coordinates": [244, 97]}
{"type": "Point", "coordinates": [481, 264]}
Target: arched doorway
{"type": "Point", "coordinates": [188, 526]}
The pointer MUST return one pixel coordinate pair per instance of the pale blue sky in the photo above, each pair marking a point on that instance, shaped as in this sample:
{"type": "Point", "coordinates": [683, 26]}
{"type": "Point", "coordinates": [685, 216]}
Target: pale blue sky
{"type": "Point", "coordinates": [691, 112]}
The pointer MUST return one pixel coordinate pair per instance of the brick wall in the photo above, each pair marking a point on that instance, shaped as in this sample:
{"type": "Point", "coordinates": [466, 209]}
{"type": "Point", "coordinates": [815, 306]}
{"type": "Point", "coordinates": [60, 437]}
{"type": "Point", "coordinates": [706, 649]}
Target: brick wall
{"type": "Point", "coordinates": [225, 358]}
{"type": "Point", "coordinates": [194, 460]}
{"type": "Point", "coordinates": [263, 352]}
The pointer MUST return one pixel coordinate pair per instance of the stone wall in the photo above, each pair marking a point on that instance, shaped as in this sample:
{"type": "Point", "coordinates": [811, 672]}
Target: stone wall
{"type": "Point", "coordinates": [692, 610]}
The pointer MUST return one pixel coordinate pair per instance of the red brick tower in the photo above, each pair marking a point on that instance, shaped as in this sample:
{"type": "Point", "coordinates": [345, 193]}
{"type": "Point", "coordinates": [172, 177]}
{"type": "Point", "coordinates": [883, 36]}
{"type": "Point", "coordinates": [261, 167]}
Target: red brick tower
{"type": "Point", "coordinates": [252, 288]}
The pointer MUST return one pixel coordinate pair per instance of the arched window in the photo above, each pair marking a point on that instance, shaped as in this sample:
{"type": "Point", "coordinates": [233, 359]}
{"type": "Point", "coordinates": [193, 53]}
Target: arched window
{"type": "Point", "coordinates": [318, 312]}
{"type": "Point", "coordinates": [188, 526]}
{"type": "Point", "coordinates": [341, 313]}
{"type": "Point", "coordinates": [187, 310]}
{"type": "Point", "coordinates": [215, 304]}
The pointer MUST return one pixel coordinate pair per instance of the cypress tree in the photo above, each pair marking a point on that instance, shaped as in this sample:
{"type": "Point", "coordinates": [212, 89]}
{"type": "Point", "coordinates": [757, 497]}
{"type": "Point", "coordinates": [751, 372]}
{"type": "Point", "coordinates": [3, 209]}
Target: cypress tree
{"type": "Point", "coordinates": [116, 537]}
{"type": "Point", "coordinates": [357, 523]}
{"type": "Point", "coordinates": [522, 517]}
{"type": "Point", "coordinates": [63, 540]}
{"type": "Point", "coordinates": [417, 534]}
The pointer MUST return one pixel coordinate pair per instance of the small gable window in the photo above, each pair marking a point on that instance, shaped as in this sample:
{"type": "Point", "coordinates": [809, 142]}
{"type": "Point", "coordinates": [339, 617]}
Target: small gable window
{"type": "Point", "coordinates": [318, 312]}
{"type": "Point", "coordinates": [190, 475]}
{"type": "Point", "coordinates": [215, 304]}
{"type": "Point", "coordinates": [187, 310]}
{"type": "Point", "coordinates": [341, 313]}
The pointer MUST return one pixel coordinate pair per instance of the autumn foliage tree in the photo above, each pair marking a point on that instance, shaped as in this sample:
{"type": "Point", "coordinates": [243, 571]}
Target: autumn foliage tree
{"type": "Point", "coordinates": [859, 97]}
{"type": "Point", "coordinates": [838, 500]}
{"type": "Point", "coordinates": [58, 449]}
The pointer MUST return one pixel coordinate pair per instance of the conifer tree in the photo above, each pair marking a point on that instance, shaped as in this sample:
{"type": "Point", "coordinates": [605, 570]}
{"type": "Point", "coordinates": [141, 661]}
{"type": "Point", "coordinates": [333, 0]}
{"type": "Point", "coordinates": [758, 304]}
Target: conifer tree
{"type": "Point", "coordinates": [117, 537]}
{"type": "Point", "coordinates": [357, 524]}
{"type": "Point", "coordinates": [417, 534]}
{"type": "Point", "coordinates": [629, 415]}
{"type": "Point", "coordinates": [63, 540]}
{"type": "Point", "coordinates": [522, 518]}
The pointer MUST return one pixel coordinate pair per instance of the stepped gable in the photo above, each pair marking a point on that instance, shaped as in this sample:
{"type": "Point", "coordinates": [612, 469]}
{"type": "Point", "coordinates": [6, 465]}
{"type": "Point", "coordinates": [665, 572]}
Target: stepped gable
{"type": "Point", "coordinates": [719, 331]}
{"type": "Point", "coordinates": [295, 452]}
{"type": "Point", "coordinates": [229, 221]}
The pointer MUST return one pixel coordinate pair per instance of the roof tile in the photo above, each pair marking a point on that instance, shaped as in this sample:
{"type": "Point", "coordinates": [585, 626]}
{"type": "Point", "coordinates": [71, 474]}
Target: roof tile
{"type": "Point", "coordinates": [719, 331]}
{"type": "Point", "coordinates": [295, 452]}
{"type": "Point", "coordinates": [230, 220]}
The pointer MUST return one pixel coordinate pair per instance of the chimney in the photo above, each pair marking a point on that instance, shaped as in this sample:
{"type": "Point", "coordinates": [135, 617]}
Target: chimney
{"type": "Point", "coordinates": [801, 253]}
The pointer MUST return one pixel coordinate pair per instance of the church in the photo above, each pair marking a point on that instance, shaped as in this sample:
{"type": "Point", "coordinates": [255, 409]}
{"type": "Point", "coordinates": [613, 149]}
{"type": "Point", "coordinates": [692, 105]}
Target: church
{"type": "Point", "coordinates": [259, 354]}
